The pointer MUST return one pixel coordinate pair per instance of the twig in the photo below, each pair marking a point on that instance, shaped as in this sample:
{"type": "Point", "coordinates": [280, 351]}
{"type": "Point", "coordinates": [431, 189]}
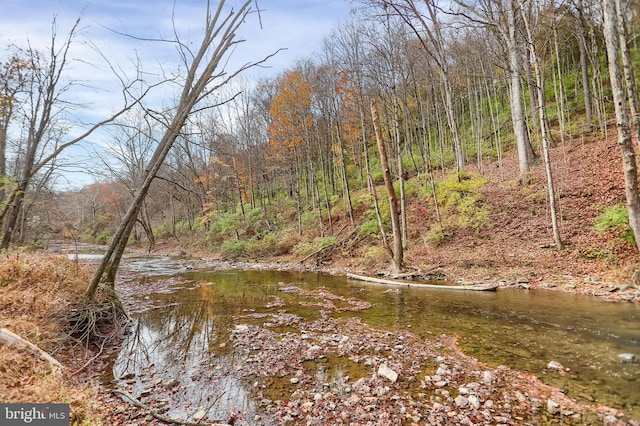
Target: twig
{"type": "Point", "coordinates": [157, 415]}
{"type": "Point", "coordinates": [92, 359]}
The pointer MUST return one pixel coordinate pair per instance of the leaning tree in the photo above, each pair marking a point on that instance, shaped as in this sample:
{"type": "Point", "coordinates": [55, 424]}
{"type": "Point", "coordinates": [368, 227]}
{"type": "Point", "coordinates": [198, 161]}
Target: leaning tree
{"type": "Point", "coordinates": [205, 75]}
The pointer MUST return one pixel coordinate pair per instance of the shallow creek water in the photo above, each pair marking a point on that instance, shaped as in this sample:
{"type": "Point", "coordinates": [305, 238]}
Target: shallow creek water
{"type": "Point", "coordinates": [184, 332]}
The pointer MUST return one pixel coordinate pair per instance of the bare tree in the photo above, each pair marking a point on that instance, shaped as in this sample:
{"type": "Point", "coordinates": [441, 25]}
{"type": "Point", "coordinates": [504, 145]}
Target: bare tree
{"type": "Point", "coordinates": [43, 107]}
{"type": "Point", "coordinates": [203, 78]}
{"type": "Point", "coordinates": [397, 252]}
{"type": "Point", "coordinates": [629, 164]}
{"type": "Point", "coordinates": [502, 18]}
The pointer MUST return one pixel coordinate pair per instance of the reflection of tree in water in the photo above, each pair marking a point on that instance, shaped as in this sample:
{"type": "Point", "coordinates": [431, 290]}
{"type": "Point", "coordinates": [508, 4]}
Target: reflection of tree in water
{"type": "Point", "coordinates": [185, 337]}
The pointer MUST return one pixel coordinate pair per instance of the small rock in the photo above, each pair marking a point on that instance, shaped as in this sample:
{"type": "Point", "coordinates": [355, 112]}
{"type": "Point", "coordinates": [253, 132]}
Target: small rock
{"type": "Point", "coordinates": [555, 366]}
{"type": "Point", "coordinates": [628, 358]}
{"type": "Point", "coordinates": [474, 401]}
{"type": "Point", "coordinates": [442, 371]}
{"type": "Point", "coordinates": [441, 383]}
{"type": "Point", "coordinates": [240, 328]}
{"type": "Point", "coordinates": [488, 404]}
{"type": "Point", "coordinates": [487, 377]}
{"type": "Point", "coordinates": [387, 373]}
{"type": "Point", "coordinates": [520, 396]}
{"type": "Point", "coordinates": [461, 401]}
{"type": "Point", "coordinates": [172, 383]}
{"type": "Point", "coordinates": [552, 406]}
{"type": "Point", "coordinates": [294, 380]}
{"type": "Point", "coordinates": [463, 391]}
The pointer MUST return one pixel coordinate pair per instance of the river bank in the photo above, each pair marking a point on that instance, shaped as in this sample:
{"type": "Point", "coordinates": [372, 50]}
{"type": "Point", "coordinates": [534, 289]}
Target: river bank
{"type": "Point", "coordinates": [436, 382]}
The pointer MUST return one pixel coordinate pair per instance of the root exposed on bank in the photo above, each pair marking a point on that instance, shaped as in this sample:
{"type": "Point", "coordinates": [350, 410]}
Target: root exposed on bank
{"type": "Point", "coordinates": [97, 321]}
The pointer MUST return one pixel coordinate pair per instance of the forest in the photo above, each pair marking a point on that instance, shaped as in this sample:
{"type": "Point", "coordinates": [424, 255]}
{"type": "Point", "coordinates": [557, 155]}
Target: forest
{"type": "Point", "coordinates": [488, 141]}
{"type": "Point", "coordinates": [288, 164]}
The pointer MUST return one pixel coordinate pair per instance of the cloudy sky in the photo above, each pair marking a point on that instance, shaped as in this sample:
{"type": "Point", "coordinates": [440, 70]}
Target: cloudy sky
{"type": "Point", "coordinates": [299, 26]}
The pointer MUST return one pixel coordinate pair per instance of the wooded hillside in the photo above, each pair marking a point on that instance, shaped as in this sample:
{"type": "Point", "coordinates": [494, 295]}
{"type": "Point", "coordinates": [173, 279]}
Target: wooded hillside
{"type": "Point", "coordinates": [496, 116]}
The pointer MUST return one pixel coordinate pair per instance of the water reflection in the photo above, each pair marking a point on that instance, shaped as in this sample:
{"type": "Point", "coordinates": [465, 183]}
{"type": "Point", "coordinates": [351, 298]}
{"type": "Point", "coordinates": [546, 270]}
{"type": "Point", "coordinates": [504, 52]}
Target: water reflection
{"type": "Point", "coordinates": [186, 336]}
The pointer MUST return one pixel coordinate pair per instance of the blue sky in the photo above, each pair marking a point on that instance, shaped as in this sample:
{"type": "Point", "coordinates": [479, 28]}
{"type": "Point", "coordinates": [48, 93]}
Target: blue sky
{"type": "Point", "coordinates": [299, 26]}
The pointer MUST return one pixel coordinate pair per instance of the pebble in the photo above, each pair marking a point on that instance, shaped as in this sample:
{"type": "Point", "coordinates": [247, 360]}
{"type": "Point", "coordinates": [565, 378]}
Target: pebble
{"type": "Point", "coordinates": [474, 401]}
{"type": "Point", "coordinates": [387, 373]}
{"type": "Point", "coordinates": [172, 383]}
{"type": "Point", "coordinates": [461, 401]}
{"type": "Point", "coordinates": [555, 366]}
{"type": "Point", "coordinates": [627, 358]}
{"type": "Point", "coordinates": [552, 406]}
{"type": "Point", "coordinates": [294, 380]}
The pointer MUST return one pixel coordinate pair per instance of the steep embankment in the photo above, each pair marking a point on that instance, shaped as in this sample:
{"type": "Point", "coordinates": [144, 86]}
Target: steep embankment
{"type": "Point", "coordinates": [516, 246]}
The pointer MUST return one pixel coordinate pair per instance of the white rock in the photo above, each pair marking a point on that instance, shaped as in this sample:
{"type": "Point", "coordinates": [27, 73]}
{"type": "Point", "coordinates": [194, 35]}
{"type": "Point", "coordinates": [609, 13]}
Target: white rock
{"type": "Point", "coordinates": [199, 415]}
{"type": "Point", "coordinates": [387, 373]}
{"type": "Point", "coordinates": [628, 358]}
{"type": "Point", "coordinates": [461, 401]}
{"type": "Point", "coordinates": [555, 366]}
{"type": "Point", "coordinates": [552, 406]}
{"type": "Point", "coordinates": [474, 401]}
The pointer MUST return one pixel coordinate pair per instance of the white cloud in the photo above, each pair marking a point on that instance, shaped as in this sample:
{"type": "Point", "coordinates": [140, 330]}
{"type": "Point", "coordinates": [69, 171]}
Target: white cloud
{"type": "Point", "coordinates": [298, 26]}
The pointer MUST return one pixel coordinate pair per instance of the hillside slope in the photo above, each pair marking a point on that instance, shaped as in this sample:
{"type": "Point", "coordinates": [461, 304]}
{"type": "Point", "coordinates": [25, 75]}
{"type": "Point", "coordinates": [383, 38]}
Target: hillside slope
{"type": "Point", "coordinates": [517, 245]}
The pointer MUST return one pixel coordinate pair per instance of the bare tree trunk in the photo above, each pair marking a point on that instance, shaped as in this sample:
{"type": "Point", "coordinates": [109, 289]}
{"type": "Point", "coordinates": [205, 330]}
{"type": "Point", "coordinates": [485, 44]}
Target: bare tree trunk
{"type": "Point", "coordinates": [627, 65]}
{"type": "Point", "coordinates": [397, 251]}
{"type": "Point", "coordinates": [622, 118]}
{"type": "Point", "coordinates": [543, 133]}
{"type": "Point", "coordinates": [199, 83]}
{"type": "Point", "coordinates": [525, 151]}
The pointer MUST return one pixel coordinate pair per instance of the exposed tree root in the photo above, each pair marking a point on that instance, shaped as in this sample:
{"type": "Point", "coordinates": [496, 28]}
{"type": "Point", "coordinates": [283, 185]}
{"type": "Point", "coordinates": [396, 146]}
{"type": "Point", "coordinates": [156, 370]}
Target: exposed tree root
{"type": "Point", "coordinates": [97, 321]}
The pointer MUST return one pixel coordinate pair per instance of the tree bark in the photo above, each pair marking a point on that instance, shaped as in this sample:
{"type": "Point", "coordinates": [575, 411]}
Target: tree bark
{"type": "Point", "coordinates": [622, 118]}
{"type": "Point", "coordinates": [397, 251]}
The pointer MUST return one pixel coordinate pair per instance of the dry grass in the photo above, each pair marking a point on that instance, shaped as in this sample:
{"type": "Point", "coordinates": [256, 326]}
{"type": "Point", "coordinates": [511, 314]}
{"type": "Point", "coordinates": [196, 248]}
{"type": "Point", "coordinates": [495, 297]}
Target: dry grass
{"type": "Point", "coordinates": [36, 292]}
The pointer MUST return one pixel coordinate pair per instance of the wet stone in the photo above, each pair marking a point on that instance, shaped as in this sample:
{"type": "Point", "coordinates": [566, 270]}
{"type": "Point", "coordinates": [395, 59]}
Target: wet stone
{"type": "Point", "coordinates": [555, 366]}
{"type": "Point", "coordinates": [628, 358]}
{"type": "Point", "coordinates": [172, 383]}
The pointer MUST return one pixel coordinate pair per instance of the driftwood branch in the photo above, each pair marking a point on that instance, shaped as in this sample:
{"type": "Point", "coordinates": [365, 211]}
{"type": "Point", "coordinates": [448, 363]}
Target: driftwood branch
{"type": "Point", "coordinates": [9, 338]}
{"type": "Point", "coordinates": [477, 287]}
{"type": "Point", "coordinates": [135, 401]}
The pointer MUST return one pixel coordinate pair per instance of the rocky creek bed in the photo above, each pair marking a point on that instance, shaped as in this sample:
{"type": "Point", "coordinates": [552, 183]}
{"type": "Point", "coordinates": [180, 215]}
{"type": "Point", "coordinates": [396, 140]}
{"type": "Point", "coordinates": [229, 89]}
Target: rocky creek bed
{"type": "Point", "coordinates": [335, 369]}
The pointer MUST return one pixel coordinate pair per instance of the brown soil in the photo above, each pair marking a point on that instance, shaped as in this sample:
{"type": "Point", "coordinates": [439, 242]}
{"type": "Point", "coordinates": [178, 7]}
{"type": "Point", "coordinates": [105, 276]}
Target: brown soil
{"type": "Point", "coordinates": [517, 248]}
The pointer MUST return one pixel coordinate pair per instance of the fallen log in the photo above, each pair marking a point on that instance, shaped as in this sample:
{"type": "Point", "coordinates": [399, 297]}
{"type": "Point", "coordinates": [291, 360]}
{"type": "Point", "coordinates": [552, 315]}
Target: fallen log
{"type": "Point", "coordinates": [11, 339]}
{"type": "Point", "coordinates": [475, 287]}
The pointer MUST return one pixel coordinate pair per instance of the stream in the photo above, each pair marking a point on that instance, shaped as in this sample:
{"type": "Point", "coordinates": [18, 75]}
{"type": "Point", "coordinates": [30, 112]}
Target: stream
{"type": "Point", "coordinates": [182, 330]}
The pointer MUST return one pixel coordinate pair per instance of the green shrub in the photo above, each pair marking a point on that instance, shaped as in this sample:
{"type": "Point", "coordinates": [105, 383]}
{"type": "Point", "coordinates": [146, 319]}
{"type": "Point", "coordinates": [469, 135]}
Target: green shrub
{"type": "Point", "coordinates": [375, 256]}
{"type": "Point", "coordinates": [615, 218]}
{"type": "Point", "coordinates": [232, 248]}
{"type": "Point", "coordinates": [436, 235]}
{"type": "Point", "coordinates": [462, 202]}
{"type": "Point", "coordinates": [305, 248]}
{"type": "Point", "coordinates": [103, 237]}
